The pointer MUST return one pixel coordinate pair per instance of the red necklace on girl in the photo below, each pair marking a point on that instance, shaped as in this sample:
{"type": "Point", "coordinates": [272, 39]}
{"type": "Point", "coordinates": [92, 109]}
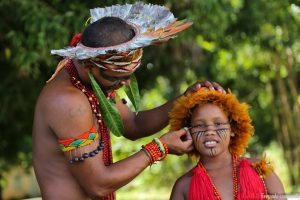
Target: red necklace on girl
{"type": "Point", "coordinates": [234, 178]}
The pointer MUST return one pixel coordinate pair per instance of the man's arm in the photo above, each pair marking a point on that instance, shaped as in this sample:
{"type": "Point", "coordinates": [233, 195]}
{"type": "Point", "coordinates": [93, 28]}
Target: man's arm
{"type": "Point", "coordinates": [148, 122]}
{"type": "Point", "coordinates": [99, 180]}
{"type": "Point", "coordinates": [69, 116]}
{"type": "Point", "coordinates": [144, 123]}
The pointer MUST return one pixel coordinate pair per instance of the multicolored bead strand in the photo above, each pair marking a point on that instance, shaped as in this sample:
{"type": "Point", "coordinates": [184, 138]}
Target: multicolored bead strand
{"type": "Point", "coordinates": [156, 150]}
{"type": "Point", "coordinates": [87, 155]}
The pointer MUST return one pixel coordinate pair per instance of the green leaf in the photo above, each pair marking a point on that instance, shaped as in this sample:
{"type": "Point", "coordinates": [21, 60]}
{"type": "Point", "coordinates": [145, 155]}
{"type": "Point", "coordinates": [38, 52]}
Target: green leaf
{"type": "Point", "coordinates": [132, 91]}
{"type": "Point", "coordinates": [110, 114]}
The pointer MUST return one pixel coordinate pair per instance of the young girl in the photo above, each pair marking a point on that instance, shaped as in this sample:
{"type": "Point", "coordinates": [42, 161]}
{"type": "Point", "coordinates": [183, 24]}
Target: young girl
{"type": "Point", "coordinates": [221, 128]}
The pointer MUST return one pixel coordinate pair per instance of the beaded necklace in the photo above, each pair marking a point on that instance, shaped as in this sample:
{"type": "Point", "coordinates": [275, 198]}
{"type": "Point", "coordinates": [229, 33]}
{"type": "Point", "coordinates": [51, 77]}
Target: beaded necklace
{"type": "Point", "coordinates": [105, 136]}
{"type": "Point", "coordinates": [234, 179]}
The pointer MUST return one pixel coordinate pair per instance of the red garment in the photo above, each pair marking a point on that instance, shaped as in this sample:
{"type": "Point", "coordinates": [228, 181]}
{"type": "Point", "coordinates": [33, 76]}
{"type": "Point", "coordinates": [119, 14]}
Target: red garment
{"type": "Point", "coordinates": [251, 186]}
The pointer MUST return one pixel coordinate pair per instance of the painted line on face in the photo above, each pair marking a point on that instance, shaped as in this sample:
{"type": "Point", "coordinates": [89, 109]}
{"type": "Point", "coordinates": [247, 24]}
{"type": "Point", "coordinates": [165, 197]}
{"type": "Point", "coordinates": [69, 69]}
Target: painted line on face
{"type": "Point", "coordinates": [199, 135]}
{"type": "Point", "coordinates": [213, 152]}
{"type": "Point", "coordinates": [113, 78]}
{"type": "Point", "coordinates": [222, 133]}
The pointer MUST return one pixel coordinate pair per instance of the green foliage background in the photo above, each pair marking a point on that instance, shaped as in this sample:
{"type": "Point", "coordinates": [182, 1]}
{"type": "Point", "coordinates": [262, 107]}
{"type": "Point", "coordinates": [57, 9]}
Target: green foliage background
{"type": "Point", "coordinates": [251, 47]}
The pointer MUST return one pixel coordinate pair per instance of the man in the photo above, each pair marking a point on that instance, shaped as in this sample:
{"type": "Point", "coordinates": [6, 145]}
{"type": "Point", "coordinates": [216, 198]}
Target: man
{"type": "Point", "coordinates": [67, 113]}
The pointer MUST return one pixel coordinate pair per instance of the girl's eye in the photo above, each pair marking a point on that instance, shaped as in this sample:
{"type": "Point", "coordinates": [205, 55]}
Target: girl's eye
{"type": "Point", "coordinates": [201, 126]}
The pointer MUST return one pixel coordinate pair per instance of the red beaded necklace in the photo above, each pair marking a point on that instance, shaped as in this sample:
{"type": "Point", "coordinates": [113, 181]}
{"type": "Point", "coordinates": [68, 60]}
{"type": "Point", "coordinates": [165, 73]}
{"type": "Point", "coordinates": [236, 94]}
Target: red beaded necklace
{"type": "Point", "coordinates": [234, 179]}
{"type": "Point", "coordinates": [105, 136]}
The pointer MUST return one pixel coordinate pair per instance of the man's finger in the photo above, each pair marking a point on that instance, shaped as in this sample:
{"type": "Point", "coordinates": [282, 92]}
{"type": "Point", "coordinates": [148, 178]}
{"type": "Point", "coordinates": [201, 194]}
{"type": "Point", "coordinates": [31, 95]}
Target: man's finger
{"type": "Point", "coordinates": [188, 145]}
{"type": "Point", "coordinates": [183, 132]}
{"type": "Point", "coordinates": [195, 87]}
{"type": "Point", "coordinates": [218, 87]}
{"type": "Point", "coordinates": [198, 85]}
{"type": "Point", "coordinates": [209, 85]}
{"type": "Point", "coordinates": [189, 136]}
{"type": "Point", "coordinates": [190, 148]}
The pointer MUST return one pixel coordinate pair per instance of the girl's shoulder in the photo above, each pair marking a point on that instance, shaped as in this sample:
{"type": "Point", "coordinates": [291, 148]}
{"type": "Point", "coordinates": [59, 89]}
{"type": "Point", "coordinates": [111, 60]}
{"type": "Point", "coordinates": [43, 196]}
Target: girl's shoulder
{"type": "Point", "coordinates": [265, 170]}
{"type": "Point", "coordinates": [181, 187]}
{"type": "Point", "coordinates": [261, 165]}
{"type": "Point", "coordinates": [185, 178]}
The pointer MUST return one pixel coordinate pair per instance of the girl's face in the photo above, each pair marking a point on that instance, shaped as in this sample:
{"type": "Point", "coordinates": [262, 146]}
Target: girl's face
{"type": "Point", "coordinates": [210, 130]}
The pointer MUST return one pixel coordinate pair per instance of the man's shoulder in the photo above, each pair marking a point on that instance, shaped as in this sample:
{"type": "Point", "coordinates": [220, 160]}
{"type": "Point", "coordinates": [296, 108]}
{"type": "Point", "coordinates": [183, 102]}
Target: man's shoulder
{"type": "Point", "coordinates": [64, 96]}
{"type": "Point", "coordinates": [66, 110]}
{"type": "Point", "coordinates": [64, 102]}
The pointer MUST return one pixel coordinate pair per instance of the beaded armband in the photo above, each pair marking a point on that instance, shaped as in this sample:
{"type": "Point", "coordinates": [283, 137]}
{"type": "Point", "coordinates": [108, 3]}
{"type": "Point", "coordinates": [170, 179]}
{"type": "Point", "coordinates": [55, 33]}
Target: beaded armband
{"type": "Point", "coordinates": [155, 150]}
{"type": "Point", "coordinates": [80, 141]}
{"type": "Point", "coordinates": [87, 155]}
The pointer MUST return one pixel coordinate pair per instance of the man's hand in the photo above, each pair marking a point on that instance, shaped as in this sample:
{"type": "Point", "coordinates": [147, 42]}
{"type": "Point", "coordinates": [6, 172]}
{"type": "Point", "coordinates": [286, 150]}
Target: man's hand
{"type": "Point", "coordinates": [178, 142]}
{"type": "Point", "coordinates": [210, 85]}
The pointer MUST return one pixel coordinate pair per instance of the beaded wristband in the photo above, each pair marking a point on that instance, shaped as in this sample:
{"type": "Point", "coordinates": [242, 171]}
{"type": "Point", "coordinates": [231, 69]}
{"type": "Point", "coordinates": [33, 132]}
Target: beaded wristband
{"type": "Point", "coordinates": [148, 155]}
{"type": "Point", "coordinates": [158, 142]}
{"type": "Point", "coordinates": [155, 150]}
{"type": "Point", "coordinates": [165, 148]}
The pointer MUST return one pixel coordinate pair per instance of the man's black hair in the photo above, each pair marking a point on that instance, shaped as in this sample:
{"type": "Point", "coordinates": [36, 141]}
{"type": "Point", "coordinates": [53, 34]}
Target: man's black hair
{"type": "Point", "coordinates": [107, 31]}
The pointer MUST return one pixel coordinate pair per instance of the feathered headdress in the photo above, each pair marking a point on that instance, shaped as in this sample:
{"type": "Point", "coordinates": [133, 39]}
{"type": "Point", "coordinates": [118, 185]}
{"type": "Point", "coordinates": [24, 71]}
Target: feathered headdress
{"type": "Point", "coordinates": [152, 24]}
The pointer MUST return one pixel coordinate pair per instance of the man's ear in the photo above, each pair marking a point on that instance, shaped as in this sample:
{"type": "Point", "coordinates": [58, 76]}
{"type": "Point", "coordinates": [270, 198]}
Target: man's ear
{"type": "Point", "coordinates": [232, 134]}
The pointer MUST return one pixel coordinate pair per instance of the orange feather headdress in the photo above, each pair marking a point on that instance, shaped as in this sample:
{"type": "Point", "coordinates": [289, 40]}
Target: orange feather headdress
{"type": "Point", "coordinates": [236, 112]}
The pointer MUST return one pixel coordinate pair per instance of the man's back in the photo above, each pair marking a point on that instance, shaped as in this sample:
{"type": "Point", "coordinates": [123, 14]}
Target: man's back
{"type": "Point", "coordinates": [50, 165]}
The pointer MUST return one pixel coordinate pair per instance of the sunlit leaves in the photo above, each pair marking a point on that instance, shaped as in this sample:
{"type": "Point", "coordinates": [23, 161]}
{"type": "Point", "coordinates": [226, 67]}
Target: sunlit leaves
{"type": "Point", "coordinates": [206, 45]}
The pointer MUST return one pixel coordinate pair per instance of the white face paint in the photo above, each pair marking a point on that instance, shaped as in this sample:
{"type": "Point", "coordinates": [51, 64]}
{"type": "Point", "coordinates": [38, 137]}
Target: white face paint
{"type": "Point", "coordinates": [210, 129]}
